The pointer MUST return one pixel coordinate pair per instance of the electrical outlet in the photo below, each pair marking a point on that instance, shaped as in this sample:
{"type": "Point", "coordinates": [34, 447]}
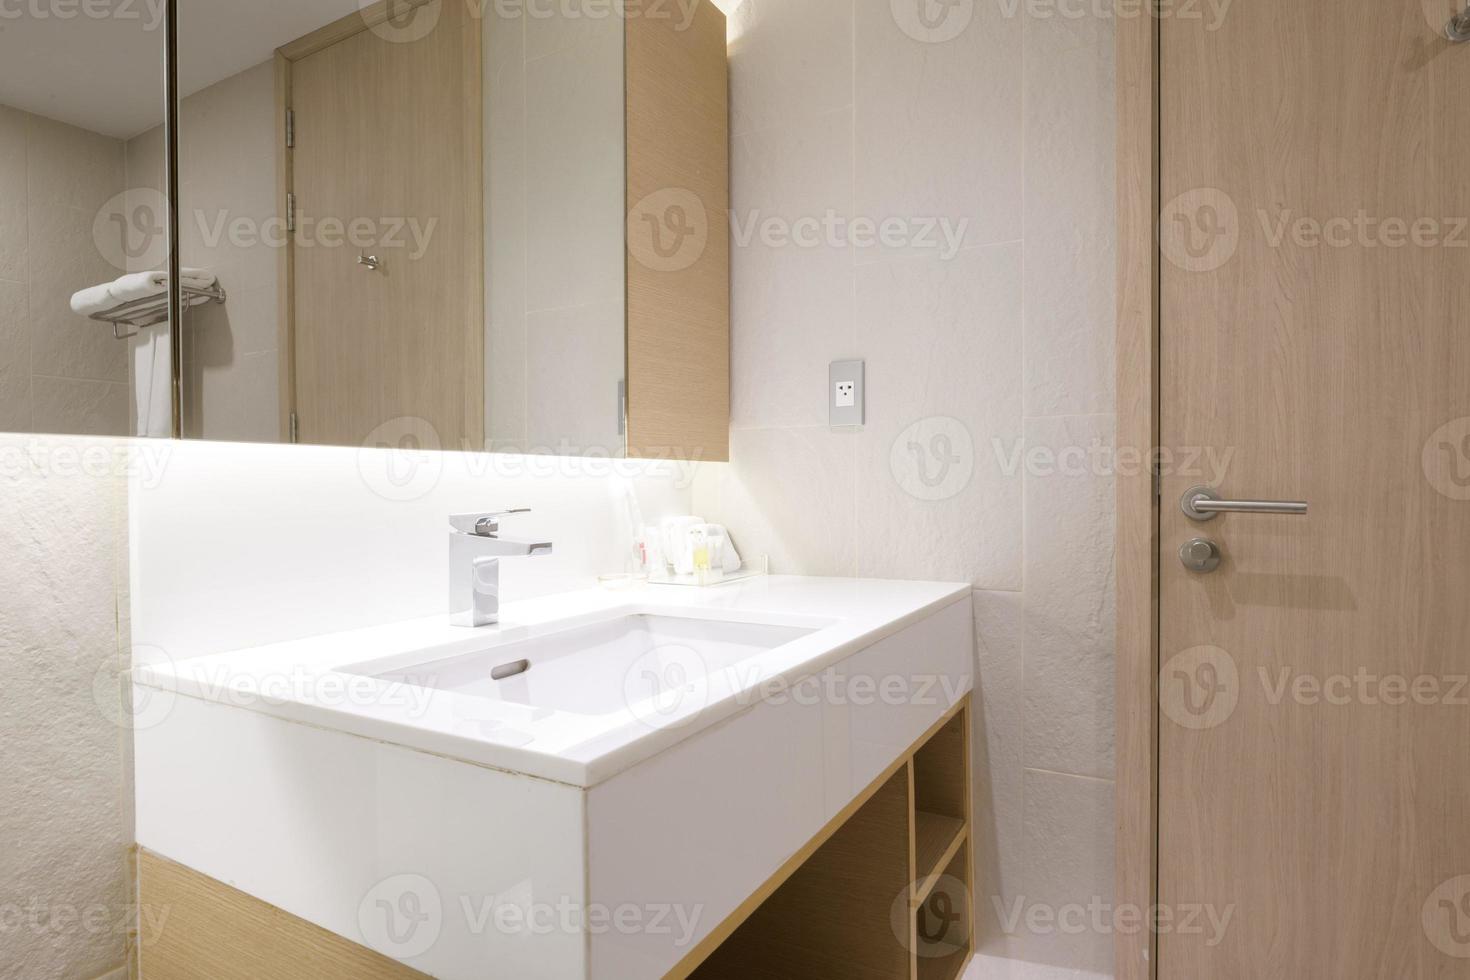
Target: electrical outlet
{"type": "Point", "coordinates": [845, 393]}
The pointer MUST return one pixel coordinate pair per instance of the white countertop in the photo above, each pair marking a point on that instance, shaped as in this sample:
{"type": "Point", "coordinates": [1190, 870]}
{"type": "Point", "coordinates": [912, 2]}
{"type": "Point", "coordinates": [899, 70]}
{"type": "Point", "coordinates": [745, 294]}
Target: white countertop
{"type": "Point", "coordinates": [305, 680]}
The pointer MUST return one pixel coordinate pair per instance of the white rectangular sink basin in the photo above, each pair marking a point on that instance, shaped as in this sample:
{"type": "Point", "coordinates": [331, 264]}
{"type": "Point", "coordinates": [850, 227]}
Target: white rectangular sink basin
{"type": "Point", "coordinates": [643, 661]}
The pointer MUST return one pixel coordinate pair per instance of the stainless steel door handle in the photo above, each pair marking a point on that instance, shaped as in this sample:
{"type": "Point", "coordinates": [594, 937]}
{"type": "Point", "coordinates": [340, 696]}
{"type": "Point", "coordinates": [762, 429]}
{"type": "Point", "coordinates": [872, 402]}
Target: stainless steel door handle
{"type": "Point", "coordinates": [1204, 504]}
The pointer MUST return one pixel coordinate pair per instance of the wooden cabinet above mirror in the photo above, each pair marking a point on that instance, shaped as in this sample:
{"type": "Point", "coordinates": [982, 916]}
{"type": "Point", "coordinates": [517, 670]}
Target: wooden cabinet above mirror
{"type": "Point", "coordinates": [460, 226]}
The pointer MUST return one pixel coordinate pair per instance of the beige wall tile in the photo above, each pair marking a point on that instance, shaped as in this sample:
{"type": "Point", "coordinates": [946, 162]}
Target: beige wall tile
{"type": "Point", "coordinates": [71, 167]}
{"type": "Point", "coordinates": [1068, 871]}
{"type": "Point", "coordinates": [575, 196]}
{"type": "Point", "coordinates": [788, 61]}
{"type": "Point", "coordinates": [939, 124]}
{"type": "Point", "coordinates": [13, 194]}
{"type": "Point", "coordinates": [65, 259]}
{"type": "Point", "coordinates": [229, 130]}
{"type": "Point", "coordinates": [943, 346]}
{"type": "Point", "coordinates": [1070, 216]}
{"type": "Point", "coordinates": [793, 303]}
{"type": "Point", "coordinates": [574, 363]}
{"type": "Point", "coordinates": [996, 731]}
{"type": "Point", "coordinates": [15, 359]}
{"type": "Point", "coordinates": [1070, 610]}
{"type": "Point", "coordinates": [75, 407]}
{"type": "Point", "coordinates": [236, 402]}
{"type": "Point", "coordinates": [789, 493]}
{"type": "Point", "coordinates": [145, 164]}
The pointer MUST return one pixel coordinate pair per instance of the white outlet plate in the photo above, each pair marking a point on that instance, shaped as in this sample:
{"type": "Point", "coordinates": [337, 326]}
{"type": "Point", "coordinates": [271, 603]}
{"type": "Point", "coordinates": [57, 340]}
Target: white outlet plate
{"type": "Point", "coordinates": [845, 396]}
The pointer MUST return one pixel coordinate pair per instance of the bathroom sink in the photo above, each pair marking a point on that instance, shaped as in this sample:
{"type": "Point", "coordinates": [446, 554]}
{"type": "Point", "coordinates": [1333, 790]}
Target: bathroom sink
{"type": "Point", "coordinates": [644, 661]}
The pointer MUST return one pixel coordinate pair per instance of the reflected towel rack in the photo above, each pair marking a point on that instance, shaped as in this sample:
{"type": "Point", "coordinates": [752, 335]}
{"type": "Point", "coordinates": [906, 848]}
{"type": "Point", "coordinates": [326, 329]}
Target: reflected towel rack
{"type": "Point", "coordinates": [153, 310]}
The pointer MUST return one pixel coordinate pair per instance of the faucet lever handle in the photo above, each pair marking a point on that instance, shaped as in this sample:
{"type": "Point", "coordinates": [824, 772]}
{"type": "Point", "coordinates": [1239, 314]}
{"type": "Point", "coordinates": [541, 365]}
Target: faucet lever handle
{"type": "Point", "coordinates": [485, 524]}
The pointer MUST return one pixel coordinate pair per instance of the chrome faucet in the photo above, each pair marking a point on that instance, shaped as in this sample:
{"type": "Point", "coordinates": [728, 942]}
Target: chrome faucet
{"type": "Point", "coordinates": [475, 549]}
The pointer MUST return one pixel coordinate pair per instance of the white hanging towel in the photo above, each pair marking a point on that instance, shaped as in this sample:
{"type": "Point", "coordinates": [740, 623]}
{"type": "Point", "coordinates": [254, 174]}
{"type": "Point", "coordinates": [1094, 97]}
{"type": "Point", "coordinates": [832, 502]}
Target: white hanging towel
{"type": "Point", "coordinates": [152, 380]}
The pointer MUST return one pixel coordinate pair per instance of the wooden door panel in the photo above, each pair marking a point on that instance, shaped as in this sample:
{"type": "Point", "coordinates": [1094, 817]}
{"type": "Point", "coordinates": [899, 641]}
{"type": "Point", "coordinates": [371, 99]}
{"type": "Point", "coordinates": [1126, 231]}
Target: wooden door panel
{"type": "Point", "coordinates": [1317, 346]}
{"type": "Point", "coordinates": [387, 132]}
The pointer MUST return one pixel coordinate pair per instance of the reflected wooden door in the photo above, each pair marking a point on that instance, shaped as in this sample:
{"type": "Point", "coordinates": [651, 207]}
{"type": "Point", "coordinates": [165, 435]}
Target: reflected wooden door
{"type": "Point", "coordinates": [386, 267]}
{"type": "Point", "coordinates": [1315, 337]}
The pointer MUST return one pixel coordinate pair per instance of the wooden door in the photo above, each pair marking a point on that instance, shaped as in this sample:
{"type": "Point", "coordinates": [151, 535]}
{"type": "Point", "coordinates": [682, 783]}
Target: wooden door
{"type": "Point", "coordinates": [1314, 780]}
{"type": "Point", "coordinates": [386, 164]}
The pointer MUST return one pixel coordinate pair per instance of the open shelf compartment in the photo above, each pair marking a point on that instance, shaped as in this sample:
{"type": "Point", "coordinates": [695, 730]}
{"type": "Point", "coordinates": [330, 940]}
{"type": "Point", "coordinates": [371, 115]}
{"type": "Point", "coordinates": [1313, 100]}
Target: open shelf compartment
{"type": "Point", "coordinates": [884, 893]}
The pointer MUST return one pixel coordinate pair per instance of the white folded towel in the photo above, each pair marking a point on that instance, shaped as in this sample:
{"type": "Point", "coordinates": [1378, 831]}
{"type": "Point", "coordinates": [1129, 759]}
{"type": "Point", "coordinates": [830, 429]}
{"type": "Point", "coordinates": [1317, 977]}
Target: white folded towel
{"type": "Point", "coordinates": [93, 299]}
{"type": "Point", "coordinates": [133, 287]}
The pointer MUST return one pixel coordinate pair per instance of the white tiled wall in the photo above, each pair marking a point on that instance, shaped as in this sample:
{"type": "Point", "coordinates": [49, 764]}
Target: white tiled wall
{"type": "Point", "coordinates": [238, 545]}
{"type": "Point", "coordinates": [978, 366]}
{"type": "Point", "coordinates": [66, 814]}
{"type": "Point", "coordinates": [59, 372]}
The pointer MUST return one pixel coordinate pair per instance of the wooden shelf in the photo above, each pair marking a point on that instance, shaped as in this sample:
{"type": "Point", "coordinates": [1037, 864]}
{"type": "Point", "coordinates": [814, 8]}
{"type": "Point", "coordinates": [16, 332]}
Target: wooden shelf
{"type": "Point", "coordinates": [944, 918]}
{"type": "Point", "coordinates": [936, 838]}
{"type": "Point", "coordinates": [838, 908]}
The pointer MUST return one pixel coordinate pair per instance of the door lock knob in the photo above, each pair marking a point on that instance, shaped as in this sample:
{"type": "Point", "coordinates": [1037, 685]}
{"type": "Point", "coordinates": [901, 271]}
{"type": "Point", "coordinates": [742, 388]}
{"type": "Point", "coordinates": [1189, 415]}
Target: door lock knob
{"type": "Point", "coordinates": [1200, 555]}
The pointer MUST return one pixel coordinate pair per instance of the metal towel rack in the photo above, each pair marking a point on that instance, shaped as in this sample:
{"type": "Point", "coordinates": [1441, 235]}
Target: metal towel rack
{"type": "Point", "coordinates": [153, 310]}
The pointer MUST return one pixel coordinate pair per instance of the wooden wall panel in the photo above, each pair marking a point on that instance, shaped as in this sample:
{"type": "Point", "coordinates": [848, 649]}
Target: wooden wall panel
{"type": "Point", "coordinates": [678, 132]}
{"type": "Point", "coordinates": [211, 930]}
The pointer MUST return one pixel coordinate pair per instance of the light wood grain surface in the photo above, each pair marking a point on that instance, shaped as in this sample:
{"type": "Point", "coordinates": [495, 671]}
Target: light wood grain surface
{"type": "Point", "coordinates": [678, 135]}
{"type": "Point", "coordinates": [389, 132]}
{"type": "Point", "coordinates": [1326, 362]}
{"type": "Point", "coordinates": [213, 932]}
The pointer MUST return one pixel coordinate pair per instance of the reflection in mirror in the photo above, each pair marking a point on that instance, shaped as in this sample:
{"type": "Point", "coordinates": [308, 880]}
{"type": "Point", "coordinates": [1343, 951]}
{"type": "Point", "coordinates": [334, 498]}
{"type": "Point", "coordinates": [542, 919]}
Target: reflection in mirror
{"type": "Point", "coordinates": [416, 216]}
{"type": "Point", "coordinates": [83, 241]}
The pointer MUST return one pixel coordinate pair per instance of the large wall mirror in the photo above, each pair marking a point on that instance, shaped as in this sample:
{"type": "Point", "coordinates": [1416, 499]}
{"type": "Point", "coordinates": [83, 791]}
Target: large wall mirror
{"type": "Point", "coordinates": [407, 224]}
{"type": "Point", "coordinates": [82, 219]}
{"type": "Point", "coordinates": [442, 224]}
